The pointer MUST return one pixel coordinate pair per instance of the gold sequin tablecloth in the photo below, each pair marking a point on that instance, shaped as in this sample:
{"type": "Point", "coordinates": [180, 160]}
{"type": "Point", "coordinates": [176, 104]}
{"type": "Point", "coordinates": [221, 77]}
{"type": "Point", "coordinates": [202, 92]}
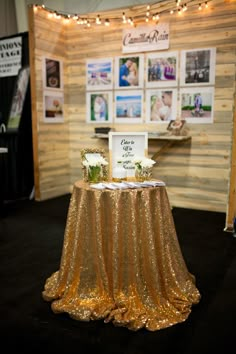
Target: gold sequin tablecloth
{"type": "Point", "coordinates": [121, 260]}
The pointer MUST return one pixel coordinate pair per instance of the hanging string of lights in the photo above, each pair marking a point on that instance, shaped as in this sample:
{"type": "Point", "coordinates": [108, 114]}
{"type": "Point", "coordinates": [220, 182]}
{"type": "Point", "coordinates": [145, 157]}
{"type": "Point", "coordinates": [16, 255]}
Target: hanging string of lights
{"type": "Point", "coordinates": [149, 13]}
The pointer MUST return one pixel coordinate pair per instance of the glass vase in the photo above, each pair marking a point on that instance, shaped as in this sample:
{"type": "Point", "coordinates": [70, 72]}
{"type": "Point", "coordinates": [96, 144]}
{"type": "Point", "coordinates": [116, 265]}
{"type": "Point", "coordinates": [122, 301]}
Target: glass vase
{"type": "Point", "coordinates": [94, 174]}
{"type": "Point", "coordinates": [143, 174]}
{"type": "Point", "coordinates": [119, 173]}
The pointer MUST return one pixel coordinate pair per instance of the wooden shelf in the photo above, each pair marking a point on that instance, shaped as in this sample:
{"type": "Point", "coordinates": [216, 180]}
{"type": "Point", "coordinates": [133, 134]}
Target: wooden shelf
{"type": "Point", "coordinates": [156, 136]}
{"type": "Point", "coordinates": [168, 140]}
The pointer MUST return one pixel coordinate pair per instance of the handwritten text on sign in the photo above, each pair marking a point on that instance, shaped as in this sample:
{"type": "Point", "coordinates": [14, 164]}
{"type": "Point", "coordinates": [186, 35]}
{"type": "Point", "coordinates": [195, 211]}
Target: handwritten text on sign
{"type": "Point", "coordinates": [127, 147]}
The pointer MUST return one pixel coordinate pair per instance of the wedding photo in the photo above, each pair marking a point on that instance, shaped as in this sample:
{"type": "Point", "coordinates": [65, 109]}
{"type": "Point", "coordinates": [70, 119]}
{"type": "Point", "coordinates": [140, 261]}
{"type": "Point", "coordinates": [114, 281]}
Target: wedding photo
{"type": "Point", "coordinates": [197, 104]}
{"type": "Point", "coordinates": [162, 69]}
{"type": "Point", "coordinates": [161, 105]}
{"type": "Point", "coordinates": [198, 67]}
{"type": "Point", "coordinates": [99, 107]}
{"type": "Point", "coordinates": [129, 107]}
{"type": "Point", "coordinates": [129, 72]}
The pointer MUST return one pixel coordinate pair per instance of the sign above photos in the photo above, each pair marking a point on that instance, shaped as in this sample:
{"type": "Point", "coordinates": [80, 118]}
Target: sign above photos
{"type": "Point", "coordinates": [145, 38]}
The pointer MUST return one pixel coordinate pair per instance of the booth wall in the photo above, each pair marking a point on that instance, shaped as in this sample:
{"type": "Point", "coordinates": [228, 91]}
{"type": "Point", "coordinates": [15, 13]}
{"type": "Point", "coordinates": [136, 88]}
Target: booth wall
{"type": "Point", "coordinates": [196, 172]}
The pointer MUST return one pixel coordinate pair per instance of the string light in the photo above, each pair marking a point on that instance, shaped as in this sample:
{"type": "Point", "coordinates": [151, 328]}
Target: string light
{"type": "Point", "coordinates": [148, 13]}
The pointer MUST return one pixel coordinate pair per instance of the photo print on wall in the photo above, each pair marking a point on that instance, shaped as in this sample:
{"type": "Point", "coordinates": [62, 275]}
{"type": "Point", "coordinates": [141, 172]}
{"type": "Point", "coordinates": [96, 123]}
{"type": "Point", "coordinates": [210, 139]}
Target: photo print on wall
{"type": "Point", "coordinates": [52, 73]}
{"type": "Point", "coordinates": [161, 105]}
{"type": "Point", "coordinates": [129, 72]}
{"type": "Point", "coordinates": [197, 104]}
{"type": "Point", "coordinates": [99, 107]}
{"type": "Point", "coordinates": [128, 107]}
{"type": "Point", "coordinates": [99, 74]}
{"type": "Point", "coordinates": [162, 69]}
{"type": "Point", "coordinates": [198, 67]}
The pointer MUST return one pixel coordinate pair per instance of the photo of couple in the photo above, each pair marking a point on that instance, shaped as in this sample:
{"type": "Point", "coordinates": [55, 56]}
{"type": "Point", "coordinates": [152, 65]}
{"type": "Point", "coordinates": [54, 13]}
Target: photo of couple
{"type": "Point", "coordinates": [161, 104]}
{"type": "Point", "coordinates": [129, 72]}
{"type": "Point", "coordinates": [99, 106]}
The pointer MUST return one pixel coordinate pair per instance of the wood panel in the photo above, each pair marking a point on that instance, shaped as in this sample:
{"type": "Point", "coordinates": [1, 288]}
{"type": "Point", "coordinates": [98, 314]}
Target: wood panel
{"type": "Point", "coordinates": [197, 173]}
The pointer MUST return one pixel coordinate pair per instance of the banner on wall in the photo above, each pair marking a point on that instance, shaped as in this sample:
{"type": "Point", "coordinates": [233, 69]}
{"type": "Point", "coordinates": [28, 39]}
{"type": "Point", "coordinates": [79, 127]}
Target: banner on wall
{"type": "Point", "coordinates": [10, 56]}
{"type": "Point", "coordinates": [145, 38]}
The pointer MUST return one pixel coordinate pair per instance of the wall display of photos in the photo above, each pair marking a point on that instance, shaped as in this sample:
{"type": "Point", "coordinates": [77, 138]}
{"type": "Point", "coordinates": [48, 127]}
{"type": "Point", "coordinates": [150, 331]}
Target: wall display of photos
{"type": "Point", "coordinates": [53, 90]}
{"type": "Point", "coordinates": [172, 84]}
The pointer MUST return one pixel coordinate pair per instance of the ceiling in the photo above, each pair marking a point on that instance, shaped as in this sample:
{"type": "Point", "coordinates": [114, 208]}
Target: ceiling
{"type": "Point", "coordinates": [89, 6]}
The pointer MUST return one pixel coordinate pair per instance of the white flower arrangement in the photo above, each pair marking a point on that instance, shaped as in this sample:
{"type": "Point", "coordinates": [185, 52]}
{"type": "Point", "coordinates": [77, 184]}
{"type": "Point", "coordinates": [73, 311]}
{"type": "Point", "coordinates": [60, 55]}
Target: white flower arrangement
{"type": "Point", "coordinates": [143, 162]}
{"type": "Point", "coordinates": [92, 161]}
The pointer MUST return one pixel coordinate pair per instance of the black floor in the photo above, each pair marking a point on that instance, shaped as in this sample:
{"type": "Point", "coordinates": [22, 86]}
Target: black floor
{"type": "Point", "coordinates": [31, 238]}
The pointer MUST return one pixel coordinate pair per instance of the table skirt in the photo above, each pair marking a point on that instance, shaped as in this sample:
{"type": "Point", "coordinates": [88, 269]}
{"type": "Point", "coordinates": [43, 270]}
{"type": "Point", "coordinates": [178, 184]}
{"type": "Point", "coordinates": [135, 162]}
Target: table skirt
{"type": "Point", "coordinates": [121, 261]}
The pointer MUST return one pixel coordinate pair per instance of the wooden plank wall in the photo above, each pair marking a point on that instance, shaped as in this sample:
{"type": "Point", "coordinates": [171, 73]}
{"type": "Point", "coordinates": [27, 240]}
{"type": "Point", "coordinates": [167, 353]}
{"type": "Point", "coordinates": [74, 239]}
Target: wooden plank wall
{"type": "Point", "coordinates": [196, 172]}
{"type": "Point", "coordinates": [51, 142]}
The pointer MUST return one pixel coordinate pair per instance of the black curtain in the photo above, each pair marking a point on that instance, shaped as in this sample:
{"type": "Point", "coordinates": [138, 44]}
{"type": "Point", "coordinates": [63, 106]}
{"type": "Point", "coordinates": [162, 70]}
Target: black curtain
{"type": "Point", "coordinates": [16, 167]}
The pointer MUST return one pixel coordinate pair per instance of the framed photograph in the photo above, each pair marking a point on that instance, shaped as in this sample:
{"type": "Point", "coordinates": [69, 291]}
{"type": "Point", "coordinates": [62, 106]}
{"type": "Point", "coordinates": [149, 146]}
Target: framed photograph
{"type": "Point", "coordinates": [129, 72]}
{"type": "Point", "coordinates": [161, 105]}
{"type": "Point", "coordinates": [99, 107]}
{"type": "Point", "coordinates": [162, 69]}
{"type": "Point", "coordinates": [99, 74]}
{"type": "Point", "coordinates": [52, 73]}
{"type": "Point", "coordinates": [128, 107]}
{"type": "Point", "coordinates": [198, 67]}
{"type": "Point", "coordinates": [127, 146]}
{"type": "Point", "coordinates": [18, 98]}
{"type": "Point", "coordinates": [196, 104]}
{"type": "Point", "coordinates": [53, 107]}
{"type": "Point", "coordinates": [95, 153]}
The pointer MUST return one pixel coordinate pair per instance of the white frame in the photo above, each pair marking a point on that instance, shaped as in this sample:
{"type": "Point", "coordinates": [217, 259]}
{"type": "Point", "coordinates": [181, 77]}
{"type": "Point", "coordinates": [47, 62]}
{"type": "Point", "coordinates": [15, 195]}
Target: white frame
{"type": "Point", "coordinates": [159, 92]}
{"type": "Point", "coordinates": [49, 96]}
{"type": "Point", "coordinates": [128, 98]}
{"type": "Point", "coordinates": [59, 74]}
{"type": "Point", "coordinates": [162, 82]}
{"type": "Point", "coordinates": [140, 59]}
{"type": "Point", "coordinates": [126, 146]}
{"type": "Point", "coordinates": [187, 63]}
{"type": "Point", "coordinates": [107, 95]}
{"type": "Point", "coordinates": [190, 92]}
{"type": "Point", "coordinates": [99, 66]}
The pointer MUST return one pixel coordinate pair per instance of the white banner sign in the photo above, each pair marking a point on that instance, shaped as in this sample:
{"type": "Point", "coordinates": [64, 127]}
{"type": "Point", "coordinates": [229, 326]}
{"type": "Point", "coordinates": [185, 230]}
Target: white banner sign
{"type": "Point", "coordinates": [10, 56]}
{"type": "Point", "coordinates": [146, 38]}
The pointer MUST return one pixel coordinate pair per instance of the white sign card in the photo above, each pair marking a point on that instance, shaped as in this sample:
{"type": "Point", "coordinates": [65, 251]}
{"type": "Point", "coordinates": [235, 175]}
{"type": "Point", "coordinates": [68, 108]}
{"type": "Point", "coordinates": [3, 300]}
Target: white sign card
{"type": "Point", "coordinates": [125, 147]}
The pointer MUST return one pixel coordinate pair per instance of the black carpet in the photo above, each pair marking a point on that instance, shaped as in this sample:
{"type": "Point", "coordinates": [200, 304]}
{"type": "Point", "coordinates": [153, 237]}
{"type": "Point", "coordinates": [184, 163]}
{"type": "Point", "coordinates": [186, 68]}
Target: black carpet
{"type": "Point", "coordinates": [31, 239]}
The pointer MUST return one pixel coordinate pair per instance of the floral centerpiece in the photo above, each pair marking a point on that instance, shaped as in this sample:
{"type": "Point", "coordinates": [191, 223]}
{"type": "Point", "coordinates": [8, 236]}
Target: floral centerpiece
{"type": "Point", "coordinates": [143, 168]}
{"type": "Point", "coordinates": [94, 167]}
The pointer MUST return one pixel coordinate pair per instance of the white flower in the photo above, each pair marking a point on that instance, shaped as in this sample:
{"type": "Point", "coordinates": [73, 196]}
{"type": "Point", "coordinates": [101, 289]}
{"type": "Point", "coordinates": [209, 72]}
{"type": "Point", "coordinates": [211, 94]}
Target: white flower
{"type": "Point", "coordinates": [143, 162]}
{"type": "Point", "coordinates": [94, 161]}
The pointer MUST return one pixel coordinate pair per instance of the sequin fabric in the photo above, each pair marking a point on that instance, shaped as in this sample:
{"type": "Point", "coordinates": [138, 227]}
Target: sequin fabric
{"type": "Point", "coordinates": [121, 261]}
